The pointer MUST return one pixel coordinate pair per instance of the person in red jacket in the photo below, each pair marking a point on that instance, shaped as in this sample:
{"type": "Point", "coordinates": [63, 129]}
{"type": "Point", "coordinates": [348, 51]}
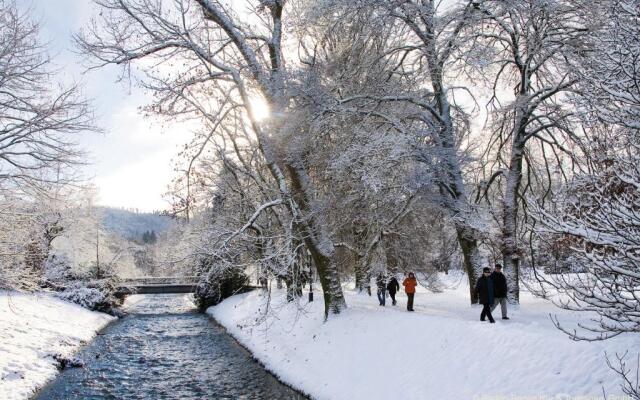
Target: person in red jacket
{"type": "Point", "coordinates": [410, 284]}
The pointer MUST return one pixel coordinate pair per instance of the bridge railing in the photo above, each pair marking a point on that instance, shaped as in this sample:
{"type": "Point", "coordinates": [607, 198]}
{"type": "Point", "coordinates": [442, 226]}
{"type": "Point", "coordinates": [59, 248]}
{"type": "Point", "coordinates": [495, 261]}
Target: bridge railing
{"type": "Point", "coordinates": [165, 280]}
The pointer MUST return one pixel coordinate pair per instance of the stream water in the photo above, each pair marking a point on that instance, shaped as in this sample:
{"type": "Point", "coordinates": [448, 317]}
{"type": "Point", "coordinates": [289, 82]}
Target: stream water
{"type": "Point", "coordinates": [164, 349]}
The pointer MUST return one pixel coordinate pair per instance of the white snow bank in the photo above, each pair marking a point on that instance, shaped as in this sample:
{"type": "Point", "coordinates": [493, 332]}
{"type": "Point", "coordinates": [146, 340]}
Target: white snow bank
{"type": "Point", "coordinates": [33, 328]}
{"type": "Point", "coordinates": [441, 351]}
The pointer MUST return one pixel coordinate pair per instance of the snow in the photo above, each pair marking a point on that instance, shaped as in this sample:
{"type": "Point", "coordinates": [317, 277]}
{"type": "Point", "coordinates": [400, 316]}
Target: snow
{"type": "Point", "coordinates": [34, 328]}
{"type": "Point", "coordinates": [441, 351]}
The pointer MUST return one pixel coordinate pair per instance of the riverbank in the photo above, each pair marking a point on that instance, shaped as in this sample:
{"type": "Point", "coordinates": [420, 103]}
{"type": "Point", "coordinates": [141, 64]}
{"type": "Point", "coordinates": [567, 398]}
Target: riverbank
{"type": "Point", "coordinates": [441, 351]}
{"type": "Point", "coordinates": [33, 329]}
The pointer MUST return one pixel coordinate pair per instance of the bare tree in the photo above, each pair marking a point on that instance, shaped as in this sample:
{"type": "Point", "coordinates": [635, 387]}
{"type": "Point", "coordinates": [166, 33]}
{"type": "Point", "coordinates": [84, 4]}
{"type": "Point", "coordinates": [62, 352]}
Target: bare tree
{"type": "Point", "coordinates": [363, 156]}
{"type": "Point", "coordinates": [225, 60]}
{"type": "Point", "coordinates": [436, 35]}
{"type": "Point", "coordinates": [37, 122]}
{"type": "Point", "coordinates": [600, 216]}
{"type": "Point", "coordinates": [598, 213]}
{"type": "Point", "coordinates": [529, 46]}
{"type": "Point", "coordinates": [426, 36]}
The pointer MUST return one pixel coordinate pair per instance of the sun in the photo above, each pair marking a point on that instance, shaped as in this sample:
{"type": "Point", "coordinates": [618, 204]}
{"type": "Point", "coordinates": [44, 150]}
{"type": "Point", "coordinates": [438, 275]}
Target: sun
{"type": "Point", "coordinates": [259, 109]}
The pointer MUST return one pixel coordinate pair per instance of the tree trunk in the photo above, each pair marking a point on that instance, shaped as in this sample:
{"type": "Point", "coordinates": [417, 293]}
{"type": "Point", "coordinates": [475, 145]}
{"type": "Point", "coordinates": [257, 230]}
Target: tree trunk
{"type": "Point", "coordinates": [452, 183]}
{"type": "Point", "coordinates": [393, 264]}
{"type": "Point", "coordinates": [423, 21]}
{"type": "Point", "coordinates": [509, 248]}
{"type": "Point", "coordinates": [318, 242]}
{"type": "Point", "coordinates": [361, 277]}
{"type": "Point", "coordinates": [458, 205]}
{"type": "Point", "coordinates": [329, 280]}
{"type": "Point", "coordinates": [471, 258]}
{"type": "Point", "coordinates": [293, 279]}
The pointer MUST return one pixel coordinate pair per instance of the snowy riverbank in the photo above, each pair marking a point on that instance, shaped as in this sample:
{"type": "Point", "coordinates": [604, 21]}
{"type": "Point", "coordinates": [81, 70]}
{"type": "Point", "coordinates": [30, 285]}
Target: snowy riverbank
{"type": "Point", "coordinates": [34, 328]}
{"type": "Point", "coordinates": [441, 351]}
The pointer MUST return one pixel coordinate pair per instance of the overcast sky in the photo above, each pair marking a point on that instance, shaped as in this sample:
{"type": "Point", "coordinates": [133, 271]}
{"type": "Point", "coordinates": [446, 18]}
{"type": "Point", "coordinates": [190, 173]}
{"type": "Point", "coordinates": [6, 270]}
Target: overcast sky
{"type": "Point", "coordinates": [132, 160]}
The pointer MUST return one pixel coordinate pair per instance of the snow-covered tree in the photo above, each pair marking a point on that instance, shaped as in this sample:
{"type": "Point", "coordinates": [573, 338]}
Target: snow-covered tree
{"type": "Point", "coordinates": [228, 181]}
{"type": "Point", "coordinates": [220, 61]}
{"type": "Point", "coordinates": [599, 213]}
{"type": "Point", "coordinates": [423, 38]}
{"type": "Point", "coordinates": [368, 154]}
{"type": "Point", "coordinates": [38, 119]}
{"type": "Point", "coordinates": [529, 46]}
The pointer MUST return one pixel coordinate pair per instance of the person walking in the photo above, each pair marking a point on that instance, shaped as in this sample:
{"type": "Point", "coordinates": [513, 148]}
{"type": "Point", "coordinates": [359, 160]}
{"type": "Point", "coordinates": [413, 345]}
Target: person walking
{"type": "Point", "coordinates": [410, 284]}
{"type": "Point", "coordinates": [484, 289]}
{"type": "Point", "coordinates": [382, 287]}
{"type": "Point", "coordinates": [393, 286]}
{"type": "Point", "coordinates": [500, 293]}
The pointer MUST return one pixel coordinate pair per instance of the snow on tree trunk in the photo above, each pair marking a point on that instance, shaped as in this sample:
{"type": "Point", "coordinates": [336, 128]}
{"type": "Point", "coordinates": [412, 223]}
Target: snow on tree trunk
{"type": "Point", "coordinates": [509, 248]}
{"type": "Point", "coordinates": [456, 201]}
{"type": "Point", "coordinates": [318, 242]}
{"type": "Point", "coordinates": [359, 276]}
{"type": "Point", "coordinates": [326, 267]}
{"type": "Point", "coordinates": [458, 205]}
{"type": "Point", "coordinates": [471, 258]}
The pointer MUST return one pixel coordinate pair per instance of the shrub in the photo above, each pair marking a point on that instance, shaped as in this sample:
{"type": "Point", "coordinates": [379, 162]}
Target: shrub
{"type": "Point", "coordinates": [218, 285]}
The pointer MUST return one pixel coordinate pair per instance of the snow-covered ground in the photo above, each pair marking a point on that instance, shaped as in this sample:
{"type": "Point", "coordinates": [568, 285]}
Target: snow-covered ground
{"type": "Point", "coordinates": [34, 328]}
{"type": "Point", "coordinates": [442, 351]}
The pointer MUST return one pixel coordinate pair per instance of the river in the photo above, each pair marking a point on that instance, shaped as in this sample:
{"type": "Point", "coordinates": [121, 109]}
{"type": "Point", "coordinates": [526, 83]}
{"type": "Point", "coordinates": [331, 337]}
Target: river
{"type": "Point", "coordinates": [164, 349]}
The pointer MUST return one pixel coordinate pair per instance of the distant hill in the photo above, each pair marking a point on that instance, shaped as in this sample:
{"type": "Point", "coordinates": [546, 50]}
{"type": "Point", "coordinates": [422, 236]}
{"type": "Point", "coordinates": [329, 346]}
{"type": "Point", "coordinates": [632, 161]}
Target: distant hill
{"type": "Point", "coordinates": [131, 224]}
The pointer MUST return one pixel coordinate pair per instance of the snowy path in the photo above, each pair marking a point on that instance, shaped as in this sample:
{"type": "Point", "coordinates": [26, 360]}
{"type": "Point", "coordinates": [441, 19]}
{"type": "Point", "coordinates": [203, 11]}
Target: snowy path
{"type": "Point", "coordinates": [441, 351]}
{"type": "Point", "coordinates": [33, 328]}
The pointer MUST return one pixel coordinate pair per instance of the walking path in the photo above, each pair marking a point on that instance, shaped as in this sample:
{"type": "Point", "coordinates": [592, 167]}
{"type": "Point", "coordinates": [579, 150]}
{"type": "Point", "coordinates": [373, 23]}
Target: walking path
{"type": "Point", "coordinates": [440, 351]}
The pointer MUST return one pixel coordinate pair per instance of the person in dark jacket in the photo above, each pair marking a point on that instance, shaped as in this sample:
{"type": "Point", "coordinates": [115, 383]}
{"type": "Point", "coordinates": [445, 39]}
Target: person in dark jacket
{"type": "Point", "coordinates": [393, 286]}
{"type": "Point", "coordinates": [382, 288]}
{"type": "Point", "coordinates": [485, 290]}
{"type": "Point", "coordinates": [500, 293]}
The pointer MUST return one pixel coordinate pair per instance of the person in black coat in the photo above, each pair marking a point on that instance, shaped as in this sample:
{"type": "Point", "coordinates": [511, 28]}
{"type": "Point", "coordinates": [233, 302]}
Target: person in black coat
{"type": "Point", "coordinates": [393, 286]}
{"type": "Point", "coordinates": [485, 291]}
{"type": "Point", "coordinates": [500, 295]}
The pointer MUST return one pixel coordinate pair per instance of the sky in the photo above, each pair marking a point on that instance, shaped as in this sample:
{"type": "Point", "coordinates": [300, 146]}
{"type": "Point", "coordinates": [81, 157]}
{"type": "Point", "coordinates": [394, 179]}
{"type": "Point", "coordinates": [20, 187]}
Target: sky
{"type": "Point", "coordinates": [131, 161]}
